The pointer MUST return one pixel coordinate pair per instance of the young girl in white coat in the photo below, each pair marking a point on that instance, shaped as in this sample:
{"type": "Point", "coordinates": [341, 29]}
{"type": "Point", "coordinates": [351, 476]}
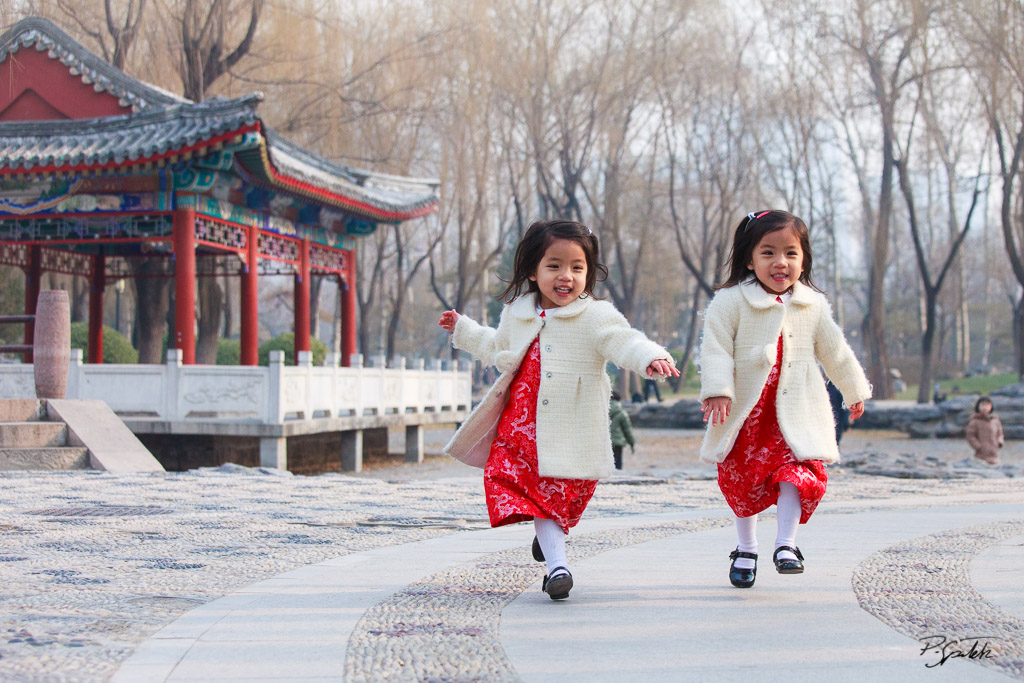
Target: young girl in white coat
{"type": "Point", "coordinates": [541, 433]}
{"type": "Point", "coordinates": [771, 428]}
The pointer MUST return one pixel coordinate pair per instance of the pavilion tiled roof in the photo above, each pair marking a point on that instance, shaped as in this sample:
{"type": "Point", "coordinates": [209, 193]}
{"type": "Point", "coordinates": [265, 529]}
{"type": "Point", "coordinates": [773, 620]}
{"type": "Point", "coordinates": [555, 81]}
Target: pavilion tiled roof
{"type": "Point", "coordinates": [42, 34]}
{"type": "Point", "coordinates": [77, 144]}
{"type": "Point", "coordinates": [165, 128]}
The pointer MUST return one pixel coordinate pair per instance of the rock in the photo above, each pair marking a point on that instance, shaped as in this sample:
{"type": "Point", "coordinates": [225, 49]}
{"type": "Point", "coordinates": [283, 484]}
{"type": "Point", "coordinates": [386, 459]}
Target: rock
{"type": "Point", "coordinates": [945, 420]}
{"type": "Point", "coordinates": [683, 414]}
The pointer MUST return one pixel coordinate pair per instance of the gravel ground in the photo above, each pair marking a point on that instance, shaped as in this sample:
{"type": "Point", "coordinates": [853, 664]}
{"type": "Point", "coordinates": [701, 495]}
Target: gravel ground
{"type": "Point", "coordinates": [92, 564]}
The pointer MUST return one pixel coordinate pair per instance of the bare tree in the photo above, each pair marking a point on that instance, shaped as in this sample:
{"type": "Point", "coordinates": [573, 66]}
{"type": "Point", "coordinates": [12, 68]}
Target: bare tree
{"type": "Point", "coordinates": [204, 31]}
{"type": "Point", "coordinates": [994, 34]}
{"type": "Point", "coordinates": [115, 33]}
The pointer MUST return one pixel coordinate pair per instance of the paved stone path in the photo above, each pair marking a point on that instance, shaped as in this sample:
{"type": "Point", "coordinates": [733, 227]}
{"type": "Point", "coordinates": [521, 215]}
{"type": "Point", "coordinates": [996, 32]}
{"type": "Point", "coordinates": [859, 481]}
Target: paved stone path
{"type": "Point", "coordinates": [214, 575]}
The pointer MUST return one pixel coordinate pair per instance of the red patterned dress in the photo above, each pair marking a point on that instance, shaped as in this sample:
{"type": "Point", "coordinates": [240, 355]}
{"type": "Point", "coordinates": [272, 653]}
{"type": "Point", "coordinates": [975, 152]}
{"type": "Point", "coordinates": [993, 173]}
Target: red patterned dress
{"type": "Point", "coordinates": [749, 476]}
{"type": "Point", "coordinates": [515, 492]}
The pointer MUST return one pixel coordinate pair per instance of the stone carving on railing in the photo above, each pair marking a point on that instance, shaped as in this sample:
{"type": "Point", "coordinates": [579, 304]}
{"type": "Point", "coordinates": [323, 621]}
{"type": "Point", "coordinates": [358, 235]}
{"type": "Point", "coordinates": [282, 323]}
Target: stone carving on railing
{"type": "Point", "coordinates": [216, 392]}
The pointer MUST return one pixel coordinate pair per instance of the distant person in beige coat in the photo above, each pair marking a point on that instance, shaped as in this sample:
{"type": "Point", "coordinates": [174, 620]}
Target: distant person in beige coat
{"type": "Point", "coordinates": [985, 432]}
{"type": "Point", "coordinates": [770, 423]}
{"type": "Point", "coordinates": [541, 433]}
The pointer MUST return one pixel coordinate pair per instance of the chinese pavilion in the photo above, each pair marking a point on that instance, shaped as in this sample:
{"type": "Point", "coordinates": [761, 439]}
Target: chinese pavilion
{"type": "Point", "coordinates": [97, 168]}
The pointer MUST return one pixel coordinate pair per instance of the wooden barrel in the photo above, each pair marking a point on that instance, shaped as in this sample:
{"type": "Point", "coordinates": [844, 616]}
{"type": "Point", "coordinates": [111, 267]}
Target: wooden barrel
{"type": "Point", "coordinates": [51, 343]}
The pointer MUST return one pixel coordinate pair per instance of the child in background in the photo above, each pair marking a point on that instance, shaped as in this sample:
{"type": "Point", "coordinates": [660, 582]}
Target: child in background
{"type": "Point", "coordinates": [765, 333]}
{"type": "Point", "coordinates": [985, 432]}
{"type": "Point", "coordinates": [541, 432]}
{"type": "Point", "coordinates": [622, 429]}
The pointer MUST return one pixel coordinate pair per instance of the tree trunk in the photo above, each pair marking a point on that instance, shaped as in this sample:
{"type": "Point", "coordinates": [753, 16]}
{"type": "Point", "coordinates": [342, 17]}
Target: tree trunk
{"type": "Point", "coordinates": [229, 310]}
{"type": "Point", "coordinates": [1018, 337]}
{"type": "Point", "coordinates": [315, 283]}
{"type": "Point", "coordinates": [874, 321]}
{"type": "Point", "coordinates": [152, 304]}
{"type": "Point", "coordinates": [211, 300]}
{"type": "Point", "coordinates": [927, 349]}
{"type": "Point", "coordinates": [79, 298]}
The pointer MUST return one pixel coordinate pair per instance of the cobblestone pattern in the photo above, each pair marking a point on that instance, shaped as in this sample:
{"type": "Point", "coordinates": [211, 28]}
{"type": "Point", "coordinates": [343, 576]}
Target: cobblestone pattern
{"type": "Point", "coordinates": [445, 627]}
{"type": "Point", "coordinates": [79, 592]}
{"type": "Point", "coordinates": [922, 588]}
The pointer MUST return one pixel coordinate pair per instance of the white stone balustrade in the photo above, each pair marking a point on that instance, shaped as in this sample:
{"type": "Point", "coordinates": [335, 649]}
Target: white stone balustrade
{"type": "Point", "coordinates": [271, 395]}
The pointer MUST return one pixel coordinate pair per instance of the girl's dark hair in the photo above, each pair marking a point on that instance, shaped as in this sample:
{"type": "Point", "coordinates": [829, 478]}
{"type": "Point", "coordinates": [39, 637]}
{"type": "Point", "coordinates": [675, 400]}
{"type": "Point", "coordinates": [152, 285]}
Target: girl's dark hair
{"type": "Point", "coordinates": [535, 243]}
{"type": "Point", "coordinates": [984, 399]}
{"type": "Point", "coordinates": [749, 233]}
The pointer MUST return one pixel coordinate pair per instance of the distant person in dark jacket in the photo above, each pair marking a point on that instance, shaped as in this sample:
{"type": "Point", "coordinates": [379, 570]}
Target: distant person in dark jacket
{"type": "Point", "coordinates": [839, 412]}
{"type": "Point", "coordinates": [985, 432]}
{"type": "Point", "coordinates": [621, 429]}
{"type": "Point", "coordinates": [651, 387]}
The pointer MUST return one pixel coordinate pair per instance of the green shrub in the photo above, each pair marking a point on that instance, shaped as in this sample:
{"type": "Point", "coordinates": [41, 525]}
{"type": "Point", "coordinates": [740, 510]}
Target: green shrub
{"type": "Point", "coordinates": [116, 347]}
{"type": "Point", "coordinates": [229, 352]}
{"type": "Point", "coordinates": [286, 342]}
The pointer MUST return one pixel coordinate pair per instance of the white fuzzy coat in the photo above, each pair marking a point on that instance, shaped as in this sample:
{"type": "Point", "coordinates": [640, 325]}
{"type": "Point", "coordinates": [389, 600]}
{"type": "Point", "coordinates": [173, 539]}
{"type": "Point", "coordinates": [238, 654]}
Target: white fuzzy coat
{"type": "Point", "coordinates": [576, 340]}
{"type": "Point", "coordinates": [741, 333]}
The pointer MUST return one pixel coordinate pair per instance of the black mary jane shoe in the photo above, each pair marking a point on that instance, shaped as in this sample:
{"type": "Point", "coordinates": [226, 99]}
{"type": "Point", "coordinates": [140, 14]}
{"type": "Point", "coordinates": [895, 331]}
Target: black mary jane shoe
{"type": "Point", "coordinates": [742, 578]}
{"type": "Point", "coordinates": [538, 554]}
{"type": "Point", "coordinates": [557, 585]}
{"type": "Point", "coordinates": [788, 566]}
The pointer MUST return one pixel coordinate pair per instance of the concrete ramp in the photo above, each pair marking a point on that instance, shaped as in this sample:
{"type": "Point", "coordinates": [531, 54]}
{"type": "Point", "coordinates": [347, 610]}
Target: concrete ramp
{"type": "Point", "coordinates": [112, 446]}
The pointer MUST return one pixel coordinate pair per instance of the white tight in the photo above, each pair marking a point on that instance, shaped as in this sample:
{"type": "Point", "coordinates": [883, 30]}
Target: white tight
{"type": "Point", "coordinates": [552, 542]}
{"type": "Point", "coordinates": [788, 515]}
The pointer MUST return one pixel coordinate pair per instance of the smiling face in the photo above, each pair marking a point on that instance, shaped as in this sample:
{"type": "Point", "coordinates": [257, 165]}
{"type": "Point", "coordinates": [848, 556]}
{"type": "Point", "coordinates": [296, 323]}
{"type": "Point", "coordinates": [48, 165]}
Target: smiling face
{"type": "Point", "coordinates": [778, 260]}
{"type": "Point", "coordinates": [561, 274]}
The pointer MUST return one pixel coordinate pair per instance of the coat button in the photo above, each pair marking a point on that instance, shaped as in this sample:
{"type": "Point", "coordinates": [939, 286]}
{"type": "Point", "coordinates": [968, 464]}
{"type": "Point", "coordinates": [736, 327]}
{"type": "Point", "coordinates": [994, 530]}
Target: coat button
{"type": "Point", "coordinates": [549, 375]}
{"type": "Point", "coordinates": [547, 348]}
{"type": "Point", "coordinates": [544, 402]}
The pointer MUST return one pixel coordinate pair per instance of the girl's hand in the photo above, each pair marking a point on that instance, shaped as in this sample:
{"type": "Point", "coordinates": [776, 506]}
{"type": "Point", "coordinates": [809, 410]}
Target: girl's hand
{"type": "Point", "coordinates": [663, 368]}
{"type": "Point", "coordinates": [856, 410]}
{"type": "Point", "coordinates": [716, 409]}
{"type": "Point", "coordinates": [448, 320]}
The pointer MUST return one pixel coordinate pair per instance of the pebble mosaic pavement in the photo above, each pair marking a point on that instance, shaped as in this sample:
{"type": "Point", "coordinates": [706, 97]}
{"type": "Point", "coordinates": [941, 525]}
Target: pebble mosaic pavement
{"type": "Point", "coordinates": [80, 589]}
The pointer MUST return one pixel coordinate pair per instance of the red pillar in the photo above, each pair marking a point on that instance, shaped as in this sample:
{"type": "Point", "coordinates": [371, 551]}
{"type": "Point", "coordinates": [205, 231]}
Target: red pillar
{"type": "Point", "coordinates": [33, 278]}
{"type": "Point", "coordinates": [184, 228]}
{"type": "Point", "coordinates": [348, 313]}
{"type": "Point", "coordinates": [251, 301]}
{"type": "Point", "coordinates": [96, 287]}
{"type": "Point", "coordinates": [302, 300]}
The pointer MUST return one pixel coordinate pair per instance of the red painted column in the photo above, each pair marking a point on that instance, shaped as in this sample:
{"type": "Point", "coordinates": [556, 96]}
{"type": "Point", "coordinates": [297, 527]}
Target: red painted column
{"type": "Point", "coordinates": [33, 280]}
{"type": "Point", "coordinates": [251, 301]}
{"type": "Point", "coordinates": [96, 288]}
{"type": "Point", "coordinates": [302, 300]}
{"type": "Point", "coordinates": [184, 228]}
{"type": "Point", "coordinates": [348, 312]}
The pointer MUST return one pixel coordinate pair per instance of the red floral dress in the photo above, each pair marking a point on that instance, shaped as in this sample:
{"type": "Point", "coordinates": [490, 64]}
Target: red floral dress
{"type": "Point", "coordinates": [515, 492]}
{"type": "Point", "coordinates": [749, 476]}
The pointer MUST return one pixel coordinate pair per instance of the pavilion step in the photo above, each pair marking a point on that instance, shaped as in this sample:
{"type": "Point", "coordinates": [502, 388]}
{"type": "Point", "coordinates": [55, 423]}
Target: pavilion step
{"type": "Point", "coordinates": [71, 458]}
{"type": "Point", "coordinates": [21, 410]}
{"type": "Point", "coordinates": [33, 434]}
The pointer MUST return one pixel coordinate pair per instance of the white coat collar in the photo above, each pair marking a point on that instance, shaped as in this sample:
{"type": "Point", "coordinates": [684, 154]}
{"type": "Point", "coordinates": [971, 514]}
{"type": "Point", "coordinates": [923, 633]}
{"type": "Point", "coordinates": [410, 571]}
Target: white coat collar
{"type": "Point", "coordinates": [754, 293]}
{"type": "Point", "coordinates": [525, 307]}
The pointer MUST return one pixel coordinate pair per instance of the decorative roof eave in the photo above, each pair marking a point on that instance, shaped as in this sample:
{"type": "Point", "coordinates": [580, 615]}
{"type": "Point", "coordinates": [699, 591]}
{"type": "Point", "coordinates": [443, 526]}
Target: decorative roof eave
{"type": "Point", "coordinates": [332, 189]}
{"type": "Point", "coordinates": [157, 137]}
{"type": "Point", "coordinates": [44, 35]}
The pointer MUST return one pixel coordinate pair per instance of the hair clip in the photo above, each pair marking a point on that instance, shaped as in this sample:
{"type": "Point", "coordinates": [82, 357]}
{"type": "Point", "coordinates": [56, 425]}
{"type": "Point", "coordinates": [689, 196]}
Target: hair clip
{"type": "Point", "coordinates": [753, 217]}
{"type": "Point", "coordinates": [587, 228]}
